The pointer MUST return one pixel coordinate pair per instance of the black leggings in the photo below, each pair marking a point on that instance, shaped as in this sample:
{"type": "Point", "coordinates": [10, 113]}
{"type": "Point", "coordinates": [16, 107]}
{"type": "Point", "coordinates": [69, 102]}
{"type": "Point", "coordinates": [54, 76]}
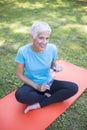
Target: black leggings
{"type": "Point", "coordinates": [60, 90]}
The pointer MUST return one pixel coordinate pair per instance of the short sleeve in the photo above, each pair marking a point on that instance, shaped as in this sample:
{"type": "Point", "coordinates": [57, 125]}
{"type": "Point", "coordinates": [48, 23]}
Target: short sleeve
{"type": "Point", "coordinates": [19, 57]}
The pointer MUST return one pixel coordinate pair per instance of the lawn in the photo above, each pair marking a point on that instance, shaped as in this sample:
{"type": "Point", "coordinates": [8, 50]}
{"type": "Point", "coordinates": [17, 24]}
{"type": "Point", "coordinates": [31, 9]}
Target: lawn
{"type": "Point", "coordinates": [68, 19]}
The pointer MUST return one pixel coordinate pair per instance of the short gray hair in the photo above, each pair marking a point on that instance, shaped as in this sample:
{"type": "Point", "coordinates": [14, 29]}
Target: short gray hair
{"type": "Point", "coordinates": [39, 27]}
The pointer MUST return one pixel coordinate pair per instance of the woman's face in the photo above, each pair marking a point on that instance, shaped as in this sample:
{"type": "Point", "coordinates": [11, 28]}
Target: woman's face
{"type": "Point", "coordinates": [40, 42]}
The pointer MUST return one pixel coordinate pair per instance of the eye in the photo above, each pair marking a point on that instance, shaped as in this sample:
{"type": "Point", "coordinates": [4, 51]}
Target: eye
{"type": "Point", "coordinates": [47, 38]}
{"type": "Point", "coordinates": [41, 38]}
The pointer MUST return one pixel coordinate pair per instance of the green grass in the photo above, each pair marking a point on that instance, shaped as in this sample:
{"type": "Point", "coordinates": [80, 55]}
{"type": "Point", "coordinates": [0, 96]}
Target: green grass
{"type": "Point", "coordinates": [68, 20]}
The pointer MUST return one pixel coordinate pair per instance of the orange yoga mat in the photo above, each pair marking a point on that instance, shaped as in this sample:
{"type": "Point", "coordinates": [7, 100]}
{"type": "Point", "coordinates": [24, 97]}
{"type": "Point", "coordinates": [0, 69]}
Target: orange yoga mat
{"type": "Point", "coordinates": [11, 111]}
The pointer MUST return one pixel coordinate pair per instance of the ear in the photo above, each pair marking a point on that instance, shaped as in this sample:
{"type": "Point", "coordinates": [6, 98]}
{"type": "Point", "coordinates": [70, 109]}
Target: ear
{"type": "Point", "coordinates": [31, 36]}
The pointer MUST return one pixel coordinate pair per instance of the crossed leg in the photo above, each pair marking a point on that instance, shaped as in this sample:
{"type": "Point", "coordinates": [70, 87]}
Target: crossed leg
{"type": "Point", "coordinates": [60, 90]}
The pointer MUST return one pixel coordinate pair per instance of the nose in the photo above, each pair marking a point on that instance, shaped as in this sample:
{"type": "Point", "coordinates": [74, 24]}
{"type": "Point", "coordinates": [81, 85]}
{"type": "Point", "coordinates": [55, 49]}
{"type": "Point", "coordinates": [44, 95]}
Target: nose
{"type": "Point", "coordinates": [44, 40]}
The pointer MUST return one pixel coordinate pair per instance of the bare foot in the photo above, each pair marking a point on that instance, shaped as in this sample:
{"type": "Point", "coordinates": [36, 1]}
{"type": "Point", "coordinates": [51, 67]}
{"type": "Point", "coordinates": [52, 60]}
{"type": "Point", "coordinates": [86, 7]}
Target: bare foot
{"type": "Point", "coordinates": [31, 107]}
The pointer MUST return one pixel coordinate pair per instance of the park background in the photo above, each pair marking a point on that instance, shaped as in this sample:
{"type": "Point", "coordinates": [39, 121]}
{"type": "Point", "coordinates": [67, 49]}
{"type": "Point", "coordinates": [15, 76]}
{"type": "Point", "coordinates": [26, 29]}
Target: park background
{"type": "Point", "coordinates": [68, 19]}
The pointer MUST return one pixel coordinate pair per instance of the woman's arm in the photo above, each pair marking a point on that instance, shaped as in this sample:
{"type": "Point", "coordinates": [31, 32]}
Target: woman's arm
{"type": "Point", "coordinates": [56, 66]}
{"type": "Point", "coordinates": [21, 77]}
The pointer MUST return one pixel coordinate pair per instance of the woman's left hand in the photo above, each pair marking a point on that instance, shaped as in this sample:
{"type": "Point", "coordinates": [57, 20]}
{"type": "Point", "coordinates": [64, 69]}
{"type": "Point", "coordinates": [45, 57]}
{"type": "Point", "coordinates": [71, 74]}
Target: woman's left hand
{"type": "Point", "coordinates": [43, 88]}
{"type": "Point", "coordinates": [59, 68]}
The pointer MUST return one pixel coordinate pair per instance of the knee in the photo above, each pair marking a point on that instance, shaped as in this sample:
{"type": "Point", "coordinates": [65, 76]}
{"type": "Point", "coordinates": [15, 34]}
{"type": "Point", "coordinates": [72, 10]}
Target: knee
{"type": "Point", "coordinates": [18, 96]}
{"type": "Point", "coordinates": [74, 88]}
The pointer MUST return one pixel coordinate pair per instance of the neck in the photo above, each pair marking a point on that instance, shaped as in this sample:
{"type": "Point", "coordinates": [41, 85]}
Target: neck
{"type": "Point", "coordinates": [35, 49]}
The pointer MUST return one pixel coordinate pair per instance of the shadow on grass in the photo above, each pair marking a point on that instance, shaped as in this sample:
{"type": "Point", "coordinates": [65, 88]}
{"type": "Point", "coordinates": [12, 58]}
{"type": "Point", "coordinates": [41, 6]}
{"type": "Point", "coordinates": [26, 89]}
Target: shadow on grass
{"type": "Point", "coordinates": [68, 20]}
{"type": "Point", "coordinates": [17, 14]}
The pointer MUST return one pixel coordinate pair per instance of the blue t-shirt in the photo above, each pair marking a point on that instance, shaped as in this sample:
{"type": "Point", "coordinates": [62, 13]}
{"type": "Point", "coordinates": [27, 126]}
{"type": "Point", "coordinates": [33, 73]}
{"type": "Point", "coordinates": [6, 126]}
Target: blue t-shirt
{"type": "Point", "coordinates": [37, 65]}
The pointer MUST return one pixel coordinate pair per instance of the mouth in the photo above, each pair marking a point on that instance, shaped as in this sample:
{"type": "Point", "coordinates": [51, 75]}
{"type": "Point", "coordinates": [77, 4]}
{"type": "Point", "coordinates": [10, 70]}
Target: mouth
{"type": "Point", "coordinates": [42, 46]}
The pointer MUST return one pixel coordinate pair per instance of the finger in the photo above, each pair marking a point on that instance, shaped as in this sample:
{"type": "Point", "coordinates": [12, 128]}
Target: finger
{"type": "Point", "coordinates": [48, 87]}
{"type": "Point", "coordinates": [43, 89]}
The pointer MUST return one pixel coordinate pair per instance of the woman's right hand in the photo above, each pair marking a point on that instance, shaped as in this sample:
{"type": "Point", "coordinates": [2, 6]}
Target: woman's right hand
{"type": "Point", "coordinates": [43, 88]}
